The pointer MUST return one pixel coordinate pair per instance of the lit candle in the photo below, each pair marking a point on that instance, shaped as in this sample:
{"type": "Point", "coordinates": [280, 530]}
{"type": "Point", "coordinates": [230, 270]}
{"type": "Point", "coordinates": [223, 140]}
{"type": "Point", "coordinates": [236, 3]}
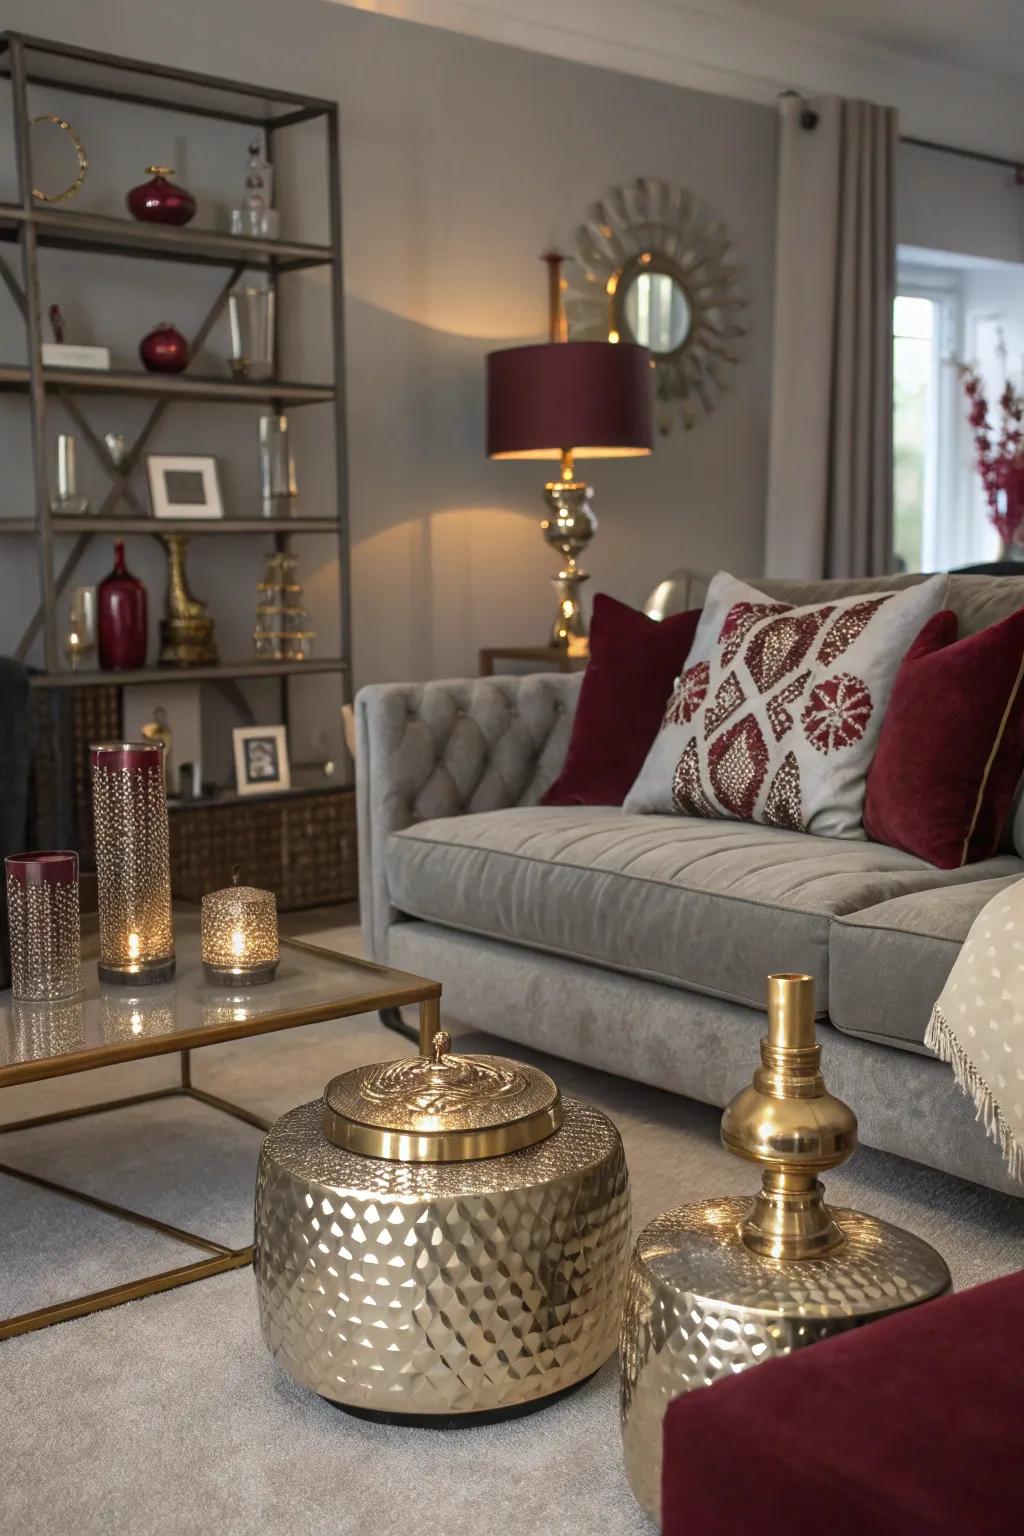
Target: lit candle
{"type": "Point", "coordinates": [240, 944]}
{"type": "Point", "coordinates": [134, 946]}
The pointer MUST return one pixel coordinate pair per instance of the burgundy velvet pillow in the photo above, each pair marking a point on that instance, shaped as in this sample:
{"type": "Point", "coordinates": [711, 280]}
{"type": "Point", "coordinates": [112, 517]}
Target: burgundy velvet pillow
{"type": "Point", "coordinates": [951, 749]}
{"type": "Point", "coordinates": [633, 663]}
{"type": "Point", "coordinates": [908, 1427]}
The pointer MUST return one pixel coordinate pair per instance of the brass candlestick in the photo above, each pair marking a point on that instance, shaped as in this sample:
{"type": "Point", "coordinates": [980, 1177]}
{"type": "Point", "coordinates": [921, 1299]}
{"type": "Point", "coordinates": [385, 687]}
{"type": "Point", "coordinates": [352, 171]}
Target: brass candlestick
{"type": "Point", "coordinates": [721, 1285]}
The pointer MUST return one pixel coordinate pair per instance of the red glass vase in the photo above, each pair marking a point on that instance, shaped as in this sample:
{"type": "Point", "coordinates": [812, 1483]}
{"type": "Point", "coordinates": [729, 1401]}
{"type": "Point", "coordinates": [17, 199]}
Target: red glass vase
{"type": "Point", "coordinates": [164, 350]}
{"type": "Point", "coordinates": [159, 201]}
{"type": "Point", "coordinates": [122, 627]}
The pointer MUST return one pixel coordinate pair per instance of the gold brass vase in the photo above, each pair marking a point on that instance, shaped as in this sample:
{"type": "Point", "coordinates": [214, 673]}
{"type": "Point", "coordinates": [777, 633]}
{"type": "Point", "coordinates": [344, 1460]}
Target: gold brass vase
{"type": "Point", "coordinates": [442, 1239]}
{"type": "Point", "coordinates": [721, 1285]}
{"type": "Point", "coordinates": [186, 630]}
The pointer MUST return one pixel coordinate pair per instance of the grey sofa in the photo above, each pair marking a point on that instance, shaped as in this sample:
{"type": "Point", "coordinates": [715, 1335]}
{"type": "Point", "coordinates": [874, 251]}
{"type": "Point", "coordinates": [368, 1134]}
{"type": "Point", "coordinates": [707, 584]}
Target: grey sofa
{"type": "Point", "coordinates": [640, 944]}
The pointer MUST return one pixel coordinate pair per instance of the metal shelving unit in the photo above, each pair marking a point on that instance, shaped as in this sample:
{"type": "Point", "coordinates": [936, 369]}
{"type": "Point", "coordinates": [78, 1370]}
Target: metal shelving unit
{"type": "Point", "coordinates": [29, 226]}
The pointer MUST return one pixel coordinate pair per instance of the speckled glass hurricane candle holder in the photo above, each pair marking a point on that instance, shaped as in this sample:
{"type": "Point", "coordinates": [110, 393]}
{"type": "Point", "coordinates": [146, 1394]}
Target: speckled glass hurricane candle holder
{"type": "Point", "coordinates": [240, 947]}
{"type": "Point", "coordinates": [46, 942]}
{"type": "Point", "coordinates": [132, 863]}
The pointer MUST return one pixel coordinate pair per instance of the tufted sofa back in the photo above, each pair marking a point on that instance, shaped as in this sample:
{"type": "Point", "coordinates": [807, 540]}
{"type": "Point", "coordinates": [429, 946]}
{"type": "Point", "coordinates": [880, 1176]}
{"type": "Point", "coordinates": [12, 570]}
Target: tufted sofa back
{"type": "Point", "coordinates": [426, 750]}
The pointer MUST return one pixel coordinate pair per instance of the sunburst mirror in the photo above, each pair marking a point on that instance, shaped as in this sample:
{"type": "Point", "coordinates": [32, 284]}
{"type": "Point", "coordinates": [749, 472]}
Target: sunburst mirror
{"type": "Point", "coordinates": [655, 266]}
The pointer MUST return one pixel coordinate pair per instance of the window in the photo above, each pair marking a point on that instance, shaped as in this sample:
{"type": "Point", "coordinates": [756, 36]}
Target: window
{"type": "Point", "coordinates": [915, 343]}
{"type": "Point", "coordinates": [947, 307]}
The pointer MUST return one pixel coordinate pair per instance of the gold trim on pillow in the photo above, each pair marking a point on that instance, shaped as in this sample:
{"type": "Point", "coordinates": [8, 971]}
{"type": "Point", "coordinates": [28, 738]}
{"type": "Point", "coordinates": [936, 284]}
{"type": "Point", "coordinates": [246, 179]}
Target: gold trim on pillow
{"type": "Point", "coordinates": [991, 759]}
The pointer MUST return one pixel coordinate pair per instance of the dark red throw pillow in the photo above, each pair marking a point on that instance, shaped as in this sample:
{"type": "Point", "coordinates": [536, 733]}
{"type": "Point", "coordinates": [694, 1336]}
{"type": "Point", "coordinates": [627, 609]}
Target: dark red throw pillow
{"type": "Point", "coordinates": [951, 748]}
{"type": "Point", "coordinates": [633, 663]}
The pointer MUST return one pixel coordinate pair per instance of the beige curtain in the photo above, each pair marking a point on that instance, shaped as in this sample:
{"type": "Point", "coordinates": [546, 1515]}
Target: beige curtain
{"type": "Point", "coordinates": [829, 509]}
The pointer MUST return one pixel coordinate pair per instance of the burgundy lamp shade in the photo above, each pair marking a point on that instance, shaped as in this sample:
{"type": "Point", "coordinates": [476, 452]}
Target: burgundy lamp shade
{"type": "Point", "coordinates": [593, 397]}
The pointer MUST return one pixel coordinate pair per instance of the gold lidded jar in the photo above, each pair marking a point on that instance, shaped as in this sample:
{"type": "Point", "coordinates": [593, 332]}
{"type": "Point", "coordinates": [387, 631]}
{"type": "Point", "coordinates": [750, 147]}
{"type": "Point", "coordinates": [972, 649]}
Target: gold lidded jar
{"type": "Point", "coordinates": [442, 1239]}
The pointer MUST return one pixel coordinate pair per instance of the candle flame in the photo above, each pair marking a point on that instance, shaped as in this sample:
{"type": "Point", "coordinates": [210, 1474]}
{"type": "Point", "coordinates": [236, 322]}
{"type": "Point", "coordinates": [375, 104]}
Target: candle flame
{"type": "Point", "coordinates": [238, 943]}
{"type": "Point", "coordinates": [134, 946]}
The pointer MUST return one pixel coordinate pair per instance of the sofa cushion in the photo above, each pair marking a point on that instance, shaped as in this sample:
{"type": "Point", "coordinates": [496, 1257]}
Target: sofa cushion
{"type": "Point", "coordinates": [888, 963]}
{"type": "Point", "coordinates": [778, 713]}
{"type": "Point", "coordinates": [709, 905]}
{"type": "Point", "coordinates": [951, 748]}
{"type": "Point", "coordinates": [633, 665]}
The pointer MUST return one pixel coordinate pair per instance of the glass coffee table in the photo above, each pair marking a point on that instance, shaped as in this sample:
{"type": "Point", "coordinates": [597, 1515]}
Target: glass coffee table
{"type": "Point", "coordinates": [108, 1024]}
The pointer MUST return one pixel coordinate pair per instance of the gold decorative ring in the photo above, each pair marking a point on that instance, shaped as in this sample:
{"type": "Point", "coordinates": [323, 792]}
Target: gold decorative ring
{"type": "Point", "coordinates": [83, 161]}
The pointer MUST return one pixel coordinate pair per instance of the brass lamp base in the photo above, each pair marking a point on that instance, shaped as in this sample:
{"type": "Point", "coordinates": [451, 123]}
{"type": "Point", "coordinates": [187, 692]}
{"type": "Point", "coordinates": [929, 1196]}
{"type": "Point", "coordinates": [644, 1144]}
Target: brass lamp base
{"type": "Point", "coordinates": [569, 529]}
{"type": "Point", "coordinates": [724, 1284]}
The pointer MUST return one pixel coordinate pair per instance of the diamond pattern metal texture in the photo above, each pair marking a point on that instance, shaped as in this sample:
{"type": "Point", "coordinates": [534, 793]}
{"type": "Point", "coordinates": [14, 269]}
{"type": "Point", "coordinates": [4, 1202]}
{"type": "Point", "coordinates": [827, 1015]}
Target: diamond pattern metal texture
{"type": "Point", "coordinates": [441, 1288]}
{"type": "Point", "coordinates": [701, 1306]}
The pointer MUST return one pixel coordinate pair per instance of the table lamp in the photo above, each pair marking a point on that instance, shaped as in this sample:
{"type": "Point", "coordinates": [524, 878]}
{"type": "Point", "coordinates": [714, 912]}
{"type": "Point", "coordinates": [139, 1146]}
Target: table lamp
{"type": "Point", "coordinates": [568, 400]}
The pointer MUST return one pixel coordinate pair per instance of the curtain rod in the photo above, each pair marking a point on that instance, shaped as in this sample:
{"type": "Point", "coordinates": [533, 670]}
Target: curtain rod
{"type": "Point", "coordinates": [1017, 166]}
{"type": "Point", "coordinates": [809, 121]}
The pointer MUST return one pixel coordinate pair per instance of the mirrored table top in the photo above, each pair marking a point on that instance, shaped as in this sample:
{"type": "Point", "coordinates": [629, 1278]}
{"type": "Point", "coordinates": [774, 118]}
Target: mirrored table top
{"type": "Point", "coordinates": [105, 1024]}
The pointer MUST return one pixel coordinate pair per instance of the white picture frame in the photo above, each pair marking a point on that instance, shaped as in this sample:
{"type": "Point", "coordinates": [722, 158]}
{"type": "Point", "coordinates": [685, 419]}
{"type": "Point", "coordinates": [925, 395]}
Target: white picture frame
{"type": "Point", "coordinates": [184, 486]}
{"type": "Point", "coordinates": [261, 759]}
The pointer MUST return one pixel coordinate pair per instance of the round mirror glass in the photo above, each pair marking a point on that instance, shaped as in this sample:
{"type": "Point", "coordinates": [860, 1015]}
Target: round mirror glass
{"type": "Point", "coordinates": [657, 312]}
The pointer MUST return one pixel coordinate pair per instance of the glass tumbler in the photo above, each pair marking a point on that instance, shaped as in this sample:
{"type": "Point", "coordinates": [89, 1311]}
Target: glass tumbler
{"type": "Point", "coordinates": [251, 316]}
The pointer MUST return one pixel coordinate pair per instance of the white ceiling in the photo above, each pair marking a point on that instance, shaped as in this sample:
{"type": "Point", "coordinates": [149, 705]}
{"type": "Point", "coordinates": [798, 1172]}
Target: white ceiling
{"type": "Point", "coordinates": [954, 68]}
{"type": "Point", "coordinates": [985, 35]}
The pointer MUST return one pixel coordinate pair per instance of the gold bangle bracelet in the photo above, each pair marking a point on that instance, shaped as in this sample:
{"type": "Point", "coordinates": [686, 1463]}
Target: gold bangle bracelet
{"type": "Point", "coordinates": [83, 161]}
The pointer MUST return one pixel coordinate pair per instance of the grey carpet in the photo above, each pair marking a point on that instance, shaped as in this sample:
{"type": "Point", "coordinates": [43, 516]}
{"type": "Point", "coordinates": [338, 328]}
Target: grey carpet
{"type": "Point", "coordinates": [168, 1416]}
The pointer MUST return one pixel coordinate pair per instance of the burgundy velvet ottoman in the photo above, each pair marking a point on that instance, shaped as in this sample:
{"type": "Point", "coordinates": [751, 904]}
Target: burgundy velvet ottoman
{"type": "Point", "coordinates": [913, 1426]}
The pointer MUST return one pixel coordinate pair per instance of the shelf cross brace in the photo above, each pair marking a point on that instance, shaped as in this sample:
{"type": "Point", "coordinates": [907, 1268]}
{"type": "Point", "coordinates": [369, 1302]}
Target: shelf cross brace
{"type": "Point", "coordinates": [118, 472]}
{"type": "Point", "coordinates": [14, 288]}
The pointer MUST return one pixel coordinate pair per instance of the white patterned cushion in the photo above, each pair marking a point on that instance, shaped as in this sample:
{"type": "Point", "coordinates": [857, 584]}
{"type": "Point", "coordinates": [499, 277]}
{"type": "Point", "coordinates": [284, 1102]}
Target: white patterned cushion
{"type": "Point", "coordinates": [776, 716]}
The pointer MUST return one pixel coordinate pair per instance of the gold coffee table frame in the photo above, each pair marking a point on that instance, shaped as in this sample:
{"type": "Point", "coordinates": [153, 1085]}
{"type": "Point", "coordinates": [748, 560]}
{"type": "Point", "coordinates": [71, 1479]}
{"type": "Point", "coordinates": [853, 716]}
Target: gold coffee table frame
{"type": "Point", "coordinates": [39, 1041]}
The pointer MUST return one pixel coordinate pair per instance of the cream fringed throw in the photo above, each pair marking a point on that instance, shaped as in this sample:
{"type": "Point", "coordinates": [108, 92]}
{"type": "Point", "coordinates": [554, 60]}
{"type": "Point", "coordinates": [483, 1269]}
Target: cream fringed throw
{"type": "Point", "coordinates": [977, 1025]}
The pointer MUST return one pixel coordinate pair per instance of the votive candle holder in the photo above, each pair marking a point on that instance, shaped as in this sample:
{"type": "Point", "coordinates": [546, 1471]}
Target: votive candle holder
{"type": "Point", "coordinates": [133, 866]}
{"type": "Point", "coordinates": [44, 923]}
{"type": "Point", "coordinates": [240, 943]}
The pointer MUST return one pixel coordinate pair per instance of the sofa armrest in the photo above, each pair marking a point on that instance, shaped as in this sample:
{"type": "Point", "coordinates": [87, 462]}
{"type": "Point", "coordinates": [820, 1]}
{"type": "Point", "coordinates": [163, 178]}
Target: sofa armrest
{"type": "Point", "coordinates": [441, 749]}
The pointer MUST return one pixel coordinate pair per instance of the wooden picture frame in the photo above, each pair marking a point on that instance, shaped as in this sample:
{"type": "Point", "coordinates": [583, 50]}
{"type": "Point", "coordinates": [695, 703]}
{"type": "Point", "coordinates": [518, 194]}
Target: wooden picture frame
{"type": "Point", "coordinates": [261, 759]}
{"type": "Point", "coordinates": [184, 486]}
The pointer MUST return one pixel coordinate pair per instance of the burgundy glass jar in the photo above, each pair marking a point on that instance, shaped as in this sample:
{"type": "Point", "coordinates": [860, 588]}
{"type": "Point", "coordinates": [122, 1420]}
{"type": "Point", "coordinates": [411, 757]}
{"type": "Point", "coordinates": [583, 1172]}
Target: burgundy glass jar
{"type": "Point", "coordinates": [122, 628]}
{"type": "Point", "coordinates": [164, 349]}
{"type": "Point", "coordinates": [46, 943]}
{"type": "Point", "coordinates": [159, 201]}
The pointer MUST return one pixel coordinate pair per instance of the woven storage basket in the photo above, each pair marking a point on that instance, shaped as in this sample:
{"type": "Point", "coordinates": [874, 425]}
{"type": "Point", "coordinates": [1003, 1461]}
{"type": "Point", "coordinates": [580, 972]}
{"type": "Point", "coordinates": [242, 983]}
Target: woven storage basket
{"type": "Point", "coordinates": [301, 846]}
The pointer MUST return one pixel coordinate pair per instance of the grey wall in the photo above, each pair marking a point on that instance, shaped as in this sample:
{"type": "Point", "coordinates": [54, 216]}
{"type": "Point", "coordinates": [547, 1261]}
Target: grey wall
{"type": "Point", "coordinates": [461, 161]}
{"type": "Point", "coordinates": [946, 203]}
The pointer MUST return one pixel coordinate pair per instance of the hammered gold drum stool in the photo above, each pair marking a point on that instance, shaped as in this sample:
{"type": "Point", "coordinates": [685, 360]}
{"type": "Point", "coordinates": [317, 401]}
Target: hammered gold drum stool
{"type": "Point", "coordinates": [721, 1285]}
{"type": "Point", "coordinates": [442, 1239]}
